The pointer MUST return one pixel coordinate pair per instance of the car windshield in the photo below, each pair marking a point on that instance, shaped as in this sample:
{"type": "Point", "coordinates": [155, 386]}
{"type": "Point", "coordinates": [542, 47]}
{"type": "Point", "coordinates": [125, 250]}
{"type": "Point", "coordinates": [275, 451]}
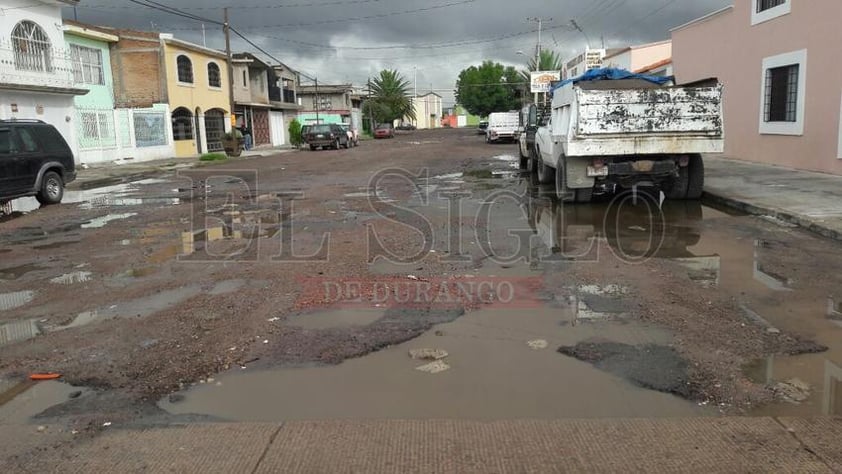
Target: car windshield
{"type": "Point", "coordinates": [384, 126]}
{"type": "Point", "coordinates": [320, 129]}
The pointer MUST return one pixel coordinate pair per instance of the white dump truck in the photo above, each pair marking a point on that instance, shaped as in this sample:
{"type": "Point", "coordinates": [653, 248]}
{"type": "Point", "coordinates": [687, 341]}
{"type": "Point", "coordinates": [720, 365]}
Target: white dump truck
{"type": "Point", "coordinates": [603, 132]}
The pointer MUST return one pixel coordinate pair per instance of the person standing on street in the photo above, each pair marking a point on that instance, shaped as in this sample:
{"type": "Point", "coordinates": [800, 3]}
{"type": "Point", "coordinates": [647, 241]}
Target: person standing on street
{"type": "Point", "coordinates": [246, 131]}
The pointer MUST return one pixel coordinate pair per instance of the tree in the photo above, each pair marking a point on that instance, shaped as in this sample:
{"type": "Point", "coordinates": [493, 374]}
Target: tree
{"type": "Point", "coordinates": [390, 99]}
{"type": "Point", "coordinates": [548, 61]}
{"type": "Point", "coordinates": [489, 88]}
{"type": "Point", "coordinates": [295, 138]}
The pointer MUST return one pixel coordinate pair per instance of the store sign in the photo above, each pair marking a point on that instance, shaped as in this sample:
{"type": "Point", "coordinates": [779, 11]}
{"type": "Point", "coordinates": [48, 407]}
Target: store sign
{"type": "Point", "coordinates": [541, 81]}
{"type": "Point", "coordinates": [593, 60]}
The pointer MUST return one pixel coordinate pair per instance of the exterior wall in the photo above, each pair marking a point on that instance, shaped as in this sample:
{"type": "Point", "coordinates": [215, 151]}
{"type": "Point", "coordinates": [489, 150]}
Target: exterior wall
{"type": "Point", "coordinates": [48, 17]}
{"type": "Point", "coordinates": [727, 46]}
{"type": "Point", "coordinates": [137, 69]}
{"type": "Point", "coordinates": [259, 86]}
{"type": "Point", "coordinates": [197, 97]}
{"type": "Point", "coordinates": [242, 90]}
{"type": "Point", "coordinates": [54, 108]}
{"type": "Point", "coordinates": [330, 102]}
{"type": "Point", "coordinates": [96, 122]}
{"type": "Point", "coordinates": [639, 57]}
{"type": "Point", "coordinates": [307, 118]}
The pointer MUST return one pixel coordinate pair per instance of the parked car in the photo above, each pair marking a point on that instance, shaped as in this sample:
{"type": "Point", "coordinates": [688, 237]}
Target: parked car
{"type": "Point", "coordinates": [353, 134]}
{"type": "Point", "coordinates": [407, 127]}
{"type": "Point", "coordinates": [483, 126]}
{"type": "Point", "coordinates": [327, 136]}
{"type": "Point", "coordinates": [305, 129]}
{"type": "Point", "coordinates": [35, 160]}
{"type": "Point", "coordinates": [384, 130]}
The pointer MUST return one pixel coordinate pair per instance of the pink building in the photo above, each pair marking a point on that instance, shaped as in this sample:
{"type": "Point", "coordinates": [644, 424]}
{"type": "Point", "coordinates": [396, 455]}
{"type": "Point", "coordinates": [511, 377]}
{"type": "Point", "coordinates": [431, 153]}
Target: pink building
{"type": "Point", "coordinates": [780, 63]}
{"type": "Point", "coordinates": [652, 58]}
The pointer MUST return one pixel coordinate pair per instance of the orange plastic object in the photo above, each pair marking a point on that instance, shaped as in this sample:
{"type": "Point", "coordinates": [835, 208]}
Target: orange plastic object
{"type": "Point", "coordinates": [44, 376]}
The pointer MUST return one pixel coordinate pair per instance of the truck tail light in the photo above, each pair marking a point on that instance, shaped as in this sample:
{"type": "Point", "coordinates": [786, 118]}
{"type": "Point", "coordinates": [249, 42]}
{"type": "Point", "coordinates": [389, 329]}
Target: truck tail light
{"type": "Point", "coordinates": [683, 161]}
{"type": "Point", "coordinates": [598, 162]}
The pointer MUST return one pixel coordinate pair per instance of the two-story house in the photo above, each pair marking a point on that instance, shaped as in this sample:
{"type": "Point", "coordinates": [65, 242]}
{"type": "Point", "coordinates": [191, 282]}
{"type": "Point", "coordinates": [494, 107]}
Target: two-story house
{"type": "Point", "coordinates": [779, 63]}
{"type": "Point", "coordinates": [155, 73]}
{"type": "Point", "coordinates": [327, 104]}
{"type": "Point", "coordinates": [36, 76]}
{"type": "Point", "coordinates": [652, 58]}
{"type": "Point", "coordinates": [265, 98]}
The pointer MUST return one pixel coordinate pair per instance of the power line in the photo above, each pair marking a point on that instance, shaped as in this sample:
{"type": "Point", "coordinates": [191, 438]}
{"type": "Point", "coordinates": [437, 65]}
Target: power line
{"type": "Point", "coordinates": [248, 7]}
{"type": "Point", "coordinates": [359, 18]}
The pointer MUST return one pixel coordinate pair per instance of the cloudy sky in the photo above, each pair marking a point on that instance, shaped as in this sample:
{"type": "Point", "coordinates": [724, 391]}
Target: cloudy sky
{"type": "Point", "coordinates": [350, 40]}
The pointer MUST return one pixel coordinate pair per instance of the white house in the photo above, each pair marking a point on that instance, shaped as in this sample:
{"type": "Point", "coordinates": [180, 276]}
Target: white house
{"type": "Point", "coordinates": [36, 77]}
{"type": "Point", "coordinates": [428, 112]}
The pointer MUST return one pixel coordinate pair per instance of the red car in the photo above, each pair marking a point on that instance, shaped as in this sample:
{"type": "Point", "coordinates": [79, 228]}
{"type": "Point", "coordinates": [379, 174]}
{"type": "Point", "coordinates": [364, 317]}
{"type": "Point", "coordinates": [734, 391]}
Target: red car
{"type": "Point", "coordinates": [384, 130]}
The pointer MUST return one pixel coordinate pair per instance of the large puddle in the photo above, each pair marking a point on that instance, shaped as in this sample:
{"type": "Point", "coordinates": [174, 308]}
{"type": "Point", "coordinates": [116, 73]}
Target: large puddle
{"type": "Point", "coordinates": [505, 364]}
{"type": "Point", "coordinates": [499, 364]}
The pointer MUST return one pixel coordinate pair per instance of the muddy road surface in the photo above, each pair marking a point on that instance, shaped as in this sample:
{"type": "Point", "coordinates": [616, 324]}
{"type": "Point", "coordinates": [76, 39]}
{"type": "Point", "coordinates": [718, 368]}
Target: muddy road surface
{"type": "Point", "coordinates": [420, 277]}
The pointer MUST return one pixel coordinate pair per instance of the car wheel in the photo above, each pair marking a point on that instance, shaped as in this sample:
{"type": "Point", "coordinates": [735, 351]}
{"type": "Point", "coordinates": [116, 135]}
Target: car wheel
{"type": "Point", "coordinates": [52, 189]}
{"type": "Point", "coordinates": [336, 144]}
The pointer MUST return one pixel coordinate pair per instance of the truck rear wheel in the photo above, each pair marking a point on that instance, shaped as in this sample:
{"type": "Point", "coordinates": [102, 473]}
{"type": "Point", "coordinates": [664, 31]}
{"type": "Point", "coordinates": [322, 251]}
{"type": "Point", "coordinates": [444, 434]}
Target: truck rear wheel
{"type": "Point", "coordinates": [696, 177]}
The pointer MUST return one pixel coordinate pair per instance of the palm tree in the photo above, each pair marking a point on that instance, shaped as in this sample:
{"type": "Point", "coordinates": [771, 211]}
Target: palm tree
{"type": "Point", "coordinates": [390, 98]}
{"type": "Point", "coordinates": [548, 61]}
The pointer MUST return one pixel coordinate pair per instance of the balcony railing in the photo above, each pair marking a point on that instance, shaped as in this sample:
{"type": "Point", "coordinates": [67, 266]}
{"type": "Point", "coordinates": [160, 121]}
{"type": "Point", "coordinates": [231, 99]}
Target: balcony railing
{"type": "Point", "coordinates": [48, 67]}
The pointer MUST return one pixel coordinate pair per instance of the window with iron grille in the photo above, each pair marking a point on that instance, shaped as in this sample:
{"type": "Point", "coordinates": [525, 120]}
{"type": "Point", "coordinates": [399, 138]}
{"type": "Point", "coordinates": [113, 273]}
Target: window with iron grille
{"type": "Point", "coordinates": [763, 5]}
{"type": "Point", "coordinates": [87, 65]}
{"type": "Point", "coordinates": [214, 75]}
{"type": "Point", "coordinates": [96, 129]}
{"type": "Point", "coordinates": [32, 48]}
{"type": "Point", "coordinates": [182, 124]}
{"type": "Point", "coordinates": [149, 129]}
{"type": "Point", "coordinates": [782, 94]}
{"type": "Point", "coordinates": [185, 69]}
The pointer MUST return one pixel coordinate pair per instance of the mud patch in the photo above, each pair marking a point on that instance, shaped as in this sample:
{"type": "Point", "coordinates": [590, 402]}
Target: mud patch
{"type": "Point", "coordinates": [649, 366]}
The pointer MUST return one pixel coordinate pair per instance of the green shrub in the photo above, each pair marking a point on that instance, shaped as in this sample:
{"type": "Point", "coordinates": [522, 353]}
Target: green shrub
{"type": "Point", "coordinates": [213, 157]}
{"type": "Point", "coordinates": [295, 138]}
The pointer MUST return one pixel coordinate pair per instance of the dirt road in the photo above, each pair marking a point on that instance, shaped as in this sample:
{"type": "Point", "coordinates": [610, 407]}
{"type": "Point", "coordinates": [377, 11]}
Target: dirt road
{"type": "Point", "coordinates": [233, 291]}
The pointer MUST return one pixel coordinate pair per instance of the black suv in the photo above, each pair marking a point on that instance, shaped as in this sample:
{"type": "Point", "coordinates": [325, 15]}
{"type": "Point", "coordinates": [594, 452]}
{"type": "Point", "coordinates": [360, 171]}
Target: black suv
{"type": "Point", "coordinates": [34, 161]}
{"type": "Point", "coordinates": [327, 136]}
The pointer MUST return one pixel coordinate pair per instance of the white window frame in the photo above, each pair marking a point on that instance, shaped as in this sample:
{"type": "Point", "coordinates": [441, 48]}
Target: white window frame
{"type": "Point", "coordinates": [80, 60]}
{"type": "Point", "coordinates": [781, 60]}
{"type": "Point", "coordinates": [770, 14]}
{"type": "Point", "coordinates": [207, 72]}
{"type": "Point", "coordinates": [192, 68]}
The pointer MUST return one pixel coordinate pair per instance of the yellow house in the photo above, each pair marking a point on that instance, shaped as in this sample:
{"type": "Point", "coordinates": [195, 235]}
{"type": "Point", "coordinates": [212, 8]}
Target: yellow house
{"type": "Point", "coordinates": [197, 87]}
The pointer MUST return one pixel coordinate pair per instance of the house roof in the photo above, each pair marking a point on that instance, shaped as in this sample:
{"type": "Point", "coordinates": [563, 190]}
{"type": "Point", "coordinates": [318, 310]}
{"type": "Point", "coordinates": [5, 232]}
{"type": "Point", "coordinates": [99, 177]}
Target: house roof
{"type": "Point", "coordinates": [252, 59]}
{"type": "Point", "coordinates": [89, 31]}
{"type": "Point", "coordinates": [168, 38]}
{"type": "Point", "coordinates": [326, 89]}
{"type": "Point", "coordinates": [654, 66]}
{"type": "Point", "coordinates": [703, 18]}
{"type": "Point", "coordinates": [617, 52]}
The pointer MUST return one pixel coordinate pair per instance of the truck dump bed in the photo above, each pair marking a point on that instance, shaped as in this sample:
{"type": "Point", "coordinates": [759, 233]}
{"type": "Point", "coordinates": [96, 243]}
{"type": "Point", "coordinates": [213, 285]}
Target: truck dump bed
{"type": "Point", "coordinates": [628, 117]}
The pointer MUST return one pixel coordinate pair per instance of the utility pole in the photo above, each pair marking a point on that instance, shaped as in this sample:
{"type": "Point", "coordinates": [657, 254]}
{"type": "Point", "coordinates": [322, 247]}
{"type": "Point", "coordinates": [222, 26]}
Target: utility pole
{"type": "Point", "coordinates": [415, 96]}
{"type": "Point", "coordinates": [580, 30]}
{"type": "Point", "coordinates": [540, 22]}
{"type": "Point", "coordinates": [230, 63]}
{"type": "Point", "coordinates": [370, 112]}
{"type": "Point", "coordinates": [318, 101]}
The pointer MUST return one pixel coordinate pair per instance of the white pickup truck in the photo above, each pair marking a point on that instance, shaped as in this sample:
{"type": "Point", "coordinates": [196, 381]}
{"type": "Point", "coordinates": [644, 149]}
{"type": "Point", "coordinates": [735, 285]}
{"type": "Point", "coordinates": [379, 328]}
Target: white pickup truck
{"type": "Point", "coordinates": [502, 126]}
{"type": "Point", "coordinates": [628, 132]}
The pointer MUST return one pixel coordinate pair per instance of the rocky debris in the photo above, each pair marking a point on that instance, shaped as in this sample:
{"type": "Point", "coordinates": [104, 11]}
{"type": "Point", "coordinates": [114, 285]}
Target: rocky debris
{"type": "Point", "coordinates": [434, 367]}
{"type": "Point", "coordinates": [428, 354]}
{"type": "Point", "coordinates": [793, 390]}
{"type": "Point", "coordinates": [538, 344]}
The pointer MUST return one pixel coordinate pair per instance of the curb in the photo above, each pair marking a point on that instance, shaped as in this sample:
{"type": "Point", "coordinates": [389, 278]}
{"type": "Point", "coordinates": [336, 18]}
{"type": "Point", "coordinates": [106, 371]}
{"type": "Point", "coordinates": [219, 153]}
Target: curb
{"type": "Point", "coordinates": [790, 218]}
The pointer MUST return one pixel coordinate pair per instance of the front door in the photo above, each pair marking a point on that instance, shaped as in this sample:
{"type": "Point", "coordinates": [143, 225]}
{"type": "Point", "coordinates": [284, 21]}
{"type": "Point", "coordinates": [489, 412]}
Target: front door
{"type": "Point", "coordinates": [215, 129]}
{"type": "Point", "coordinates": [260, 130]}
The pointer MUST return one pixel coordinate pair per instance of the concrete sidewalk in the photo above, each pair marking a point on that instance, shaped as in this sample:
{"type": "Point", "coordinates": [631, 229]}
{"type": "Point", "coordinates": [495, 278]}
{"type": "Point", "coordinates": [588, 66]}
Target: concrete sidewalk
{"type": "Point", "coordinates": [810, 200]}
{"type": "Point", "coordinates": [105, 174]}
{"type": "Point", "coordinates": [632, 445]}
